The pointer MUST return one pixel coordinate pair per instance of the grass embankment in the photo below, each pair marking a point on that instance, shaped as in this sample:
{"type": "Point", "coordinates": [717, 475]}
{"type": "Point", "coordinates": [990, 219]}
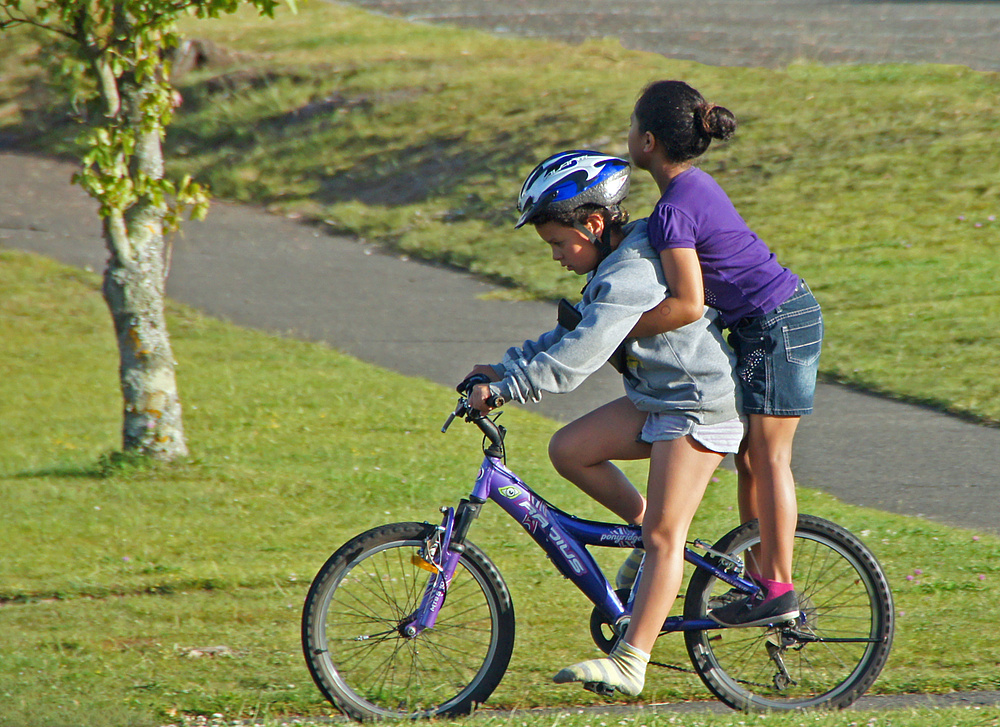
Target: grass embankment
{"type": "Point", "coordinates": [869, 181]}
{"type": "Point", "coordinates": [877, 183]}
{"type": "Point", "coordinates": [114, 578]}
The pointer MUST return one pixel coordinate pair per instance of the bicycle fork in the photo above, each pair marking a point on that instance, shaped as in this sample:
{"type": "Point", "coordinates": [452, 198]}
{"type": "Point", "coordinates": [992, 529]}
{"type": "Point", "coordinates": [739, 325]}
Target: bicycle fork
{"type": "Point", "coordinates": [439, 555]}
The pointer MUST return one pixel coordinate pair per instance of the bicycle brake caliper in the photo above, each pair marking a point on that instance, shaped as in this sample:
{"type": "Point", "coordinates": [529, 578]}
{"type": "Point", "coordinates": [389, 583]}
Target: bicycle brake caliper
{"type": "Point", "coordinates": [429, 556]}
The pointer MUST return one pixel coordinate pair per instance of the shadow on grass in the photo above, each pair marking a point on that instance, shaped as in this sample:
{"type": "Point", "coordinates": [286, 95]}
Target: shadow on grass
{"type": "Point", "coordinates": [418, 173]}
{"type": "Point", "coordinates": [110, 464]}
{"type": "Point", "coordinates": [67, 472]}
{"type": "Point", "coordinates": [427, 168]}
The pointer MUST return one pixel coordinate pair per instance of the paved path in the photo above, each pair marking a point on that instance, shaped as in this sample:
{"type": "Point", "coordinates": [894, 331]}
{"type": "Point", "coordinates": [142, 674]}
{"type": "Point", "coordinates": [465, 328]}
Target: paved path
{"type": "Point", "coordinates": [264, 271]}
{"type": "Point", "coordinates": [768, 33]}
{"type": "Point", "coordinates": [237, 264]}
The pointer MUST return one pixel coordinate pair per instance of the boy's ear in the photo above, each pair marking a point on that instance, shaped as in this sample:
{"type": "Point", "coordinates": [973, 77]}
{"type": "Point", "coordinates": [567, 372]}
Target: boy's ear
{"type": "Point", "coordinates": [595, 223]}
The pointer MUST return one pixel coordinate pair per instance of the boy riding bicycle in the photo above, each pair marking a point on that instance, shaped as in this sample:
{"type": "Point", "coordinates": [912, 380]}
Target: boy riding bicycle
{"type": "Point", "coordinates": [680, 407]}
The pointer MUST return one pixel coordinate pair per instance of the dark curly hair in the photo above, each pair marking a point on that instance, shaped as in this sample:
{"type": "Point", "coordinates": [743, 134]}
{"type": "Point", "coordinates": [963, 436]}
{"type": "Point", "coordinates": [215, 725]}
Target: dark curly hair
{"type": "Point", "coordinates": [615, 216]}
{"type": "Point", "coordinates": [681, 120]}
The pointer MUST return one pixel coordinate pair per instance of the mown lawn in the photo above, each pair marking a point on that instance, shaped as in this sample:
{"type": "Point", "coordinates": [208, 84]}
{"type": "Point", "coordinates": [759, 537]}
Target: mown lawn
{"type": "Point", "coordinates": [878, 184]}
{"type": "Point", "coordinates": [113, 577]}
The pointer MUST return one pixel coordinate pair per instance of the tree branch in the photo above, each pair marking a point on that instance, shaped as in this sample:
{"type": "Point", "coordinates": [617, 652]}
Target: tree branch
{"type": "Point", "coordinates": [117, 235]}
{"type": "Point", "coordinates": [12, 21]}
{"type": "Point", "coordinates": [109, 86]}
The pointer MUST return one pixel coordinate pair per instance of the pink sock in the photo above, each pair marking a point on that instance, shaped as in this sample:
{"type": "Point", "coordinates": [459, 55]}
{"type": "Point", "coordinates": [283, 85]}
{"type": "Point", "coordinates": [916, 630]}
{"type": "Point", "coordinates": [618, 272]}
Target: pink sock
{"type": "Point", "coordinates": [773, 589]}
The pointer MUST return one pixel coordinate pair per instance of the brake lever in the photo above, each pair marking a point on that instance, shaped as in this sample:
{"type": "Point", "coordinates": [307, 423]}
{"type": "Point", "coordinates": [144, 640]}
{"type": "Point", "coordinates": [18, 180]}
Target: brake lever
{"type": "Point", "coordinates": [459, 411]}
{"type": "Point", "coordinates": [463, 409]}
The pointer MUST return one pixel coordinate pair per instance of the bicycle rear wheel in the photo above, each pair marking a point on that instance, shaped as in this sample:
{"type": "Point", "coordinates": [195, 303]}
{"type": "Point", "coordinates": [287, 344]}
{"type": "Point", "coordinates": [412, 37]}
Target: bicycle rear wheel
{"type": "Point", "coordinates": [358, 606]}
{"type": "Point", "coordinates": [829, 657]}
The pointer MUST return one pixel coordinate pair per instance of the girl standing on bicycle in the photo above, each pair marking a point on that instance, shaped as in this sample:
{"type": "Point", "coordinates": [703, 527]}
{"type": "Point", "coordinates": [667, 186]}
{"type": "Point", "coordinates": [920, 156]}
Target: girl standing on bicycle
{"type": "Point", "coordinates": [680, 408]}
{"type": "Point", "coordinates": [710, 255]}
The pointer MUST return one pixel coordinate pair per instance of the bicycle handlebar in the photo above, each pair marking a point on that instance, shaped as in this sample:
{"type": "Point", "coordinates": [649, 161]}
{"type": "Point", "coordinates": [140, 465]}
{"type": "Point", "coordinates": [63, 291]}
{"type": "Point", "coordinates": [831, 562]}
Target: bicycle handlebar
{"type": "Point", "coordinates": [493, 431]}
{"type": "Point", "coordinates": [493, 401]}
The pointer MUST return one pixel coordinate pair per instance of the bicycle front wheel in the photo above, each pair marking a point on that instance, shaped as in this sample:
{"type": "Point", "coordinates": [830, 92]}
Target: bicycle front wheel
{"type": "Point", "coordinates": [829, 657]}
{"type": "Point", "coordinates": [359, 605]}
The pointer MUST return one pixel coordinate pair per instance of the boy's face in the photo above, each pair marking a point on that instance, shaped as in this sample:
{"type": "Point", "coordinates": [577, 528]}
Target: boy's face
{"type": "Point", "coordinates": [570, 247]}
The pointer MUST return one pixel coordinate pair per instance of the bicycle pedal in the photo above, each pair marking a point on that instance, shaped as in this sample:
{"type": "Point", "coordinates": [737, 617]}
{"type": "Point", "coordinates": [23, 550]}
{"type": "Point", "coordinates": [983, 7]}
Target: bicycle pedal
{"type": "Point", "coordinates": [601, 688]}
{"type": "Point", "coordinates": [783, 624]}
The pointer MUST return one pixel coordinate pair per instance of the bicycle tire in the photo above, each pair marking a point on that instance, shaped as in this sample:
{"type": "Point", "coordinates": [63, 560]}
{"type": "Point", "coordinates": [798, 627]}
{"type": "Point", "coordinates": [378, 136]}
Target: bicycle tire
{"type": "Point", "coordinates": [843, 595]}
{"type": "Point", "coordinates": [352, 629]}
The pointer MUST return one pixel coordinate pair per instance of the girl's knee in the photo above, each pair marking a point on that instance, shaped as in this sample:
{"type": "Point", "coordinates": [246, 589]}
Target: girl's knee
{"type": "Point", "coordinates": [770, 460]}
{"type": "Point", "coordinates": [741, 460]}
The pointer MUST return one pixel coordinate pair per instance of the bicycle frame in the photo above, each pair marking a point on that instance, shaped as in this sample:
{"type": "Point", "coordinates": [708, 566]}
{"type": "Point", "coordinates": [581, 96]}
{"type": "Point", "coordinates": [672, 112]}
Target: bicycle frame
{"type": "Point", "coordinates": [375, 652]}
{"type": "Point", "coordinates": [562, 536]}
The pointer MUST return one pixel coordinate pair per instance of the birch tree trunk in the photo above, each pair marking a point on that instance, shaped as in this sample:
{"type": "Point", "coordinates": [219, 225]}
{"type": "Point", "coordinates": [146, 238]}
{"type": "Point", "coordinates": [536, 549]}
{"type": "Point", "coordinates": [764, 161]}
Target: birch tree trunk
{"type": "Point", "coordinates": [134, 289]}
{"type": "Point", "coordinates": [114, 53]}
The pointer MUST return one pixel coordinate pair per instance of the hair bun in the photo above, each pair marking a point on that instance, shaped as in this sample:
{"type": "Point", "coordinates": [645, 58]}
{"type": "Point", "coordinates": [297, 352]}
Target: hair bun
{"type": "Point", "coordinates": [716, 122]}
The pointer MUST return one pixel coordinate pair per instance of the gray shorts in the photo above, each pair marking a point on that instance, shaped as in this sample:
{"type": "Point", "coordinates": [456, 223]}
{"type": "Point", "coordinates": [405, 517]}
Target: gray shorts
{"type": "Point", "coordinates": [724, 437]}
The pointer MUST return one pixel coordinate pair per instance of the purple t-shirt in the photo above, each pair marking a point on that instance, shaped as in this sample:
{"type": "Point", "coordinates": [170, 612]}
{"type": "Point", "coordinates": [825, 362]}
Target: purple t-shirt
{"type": "Point", "coordinates": [742, 276]}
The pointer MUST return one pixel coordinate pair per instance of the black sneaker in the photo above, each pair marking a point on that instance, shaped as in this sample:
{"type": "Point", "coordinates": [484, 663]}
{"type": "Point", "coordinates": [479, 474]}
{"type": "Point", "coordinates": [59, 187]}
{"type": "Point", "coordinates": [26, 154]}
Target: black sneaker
{"type": "Point", "coordinates": [730, 596]}
{"type": "Point", "coordinates": [758, 613]}
{"type": "Point", "coordinates": [724, 599]}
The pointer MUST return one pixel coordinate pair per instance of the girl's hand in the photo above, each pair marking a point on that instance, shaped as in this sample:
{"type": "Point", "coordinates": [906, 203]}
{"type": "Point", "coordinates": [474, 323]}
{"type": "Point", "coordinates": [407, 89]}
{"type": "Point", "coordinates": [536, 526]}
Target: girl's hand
{"type": "Point", "coordinates": [484, 369]}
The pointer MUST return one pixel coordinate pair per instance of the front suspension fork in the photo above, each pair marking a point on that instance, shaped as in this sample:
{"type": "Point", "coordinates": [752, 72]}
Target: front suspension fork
{"type": "Point", "coordinates": [439, 555]}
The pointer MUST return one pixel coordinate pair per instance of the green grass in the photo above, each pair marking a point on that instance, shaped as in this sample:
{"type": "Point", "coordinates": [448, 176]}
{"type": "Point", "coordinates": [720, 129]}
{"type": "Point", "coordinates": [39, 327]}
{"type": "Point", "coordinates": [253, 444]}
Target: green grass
{"type": "Point", "coordinates": [111, 574]}
{"type": "Point", "coordinates": [876, 183]}
{"type": "Point", "coordinates": [870, 181]}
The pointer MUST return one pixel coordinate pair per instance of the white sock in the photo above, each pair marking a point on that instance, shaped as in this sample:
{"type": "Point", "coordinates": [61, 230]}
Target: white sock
{"type": "Point", "coordinates": [623, 669]}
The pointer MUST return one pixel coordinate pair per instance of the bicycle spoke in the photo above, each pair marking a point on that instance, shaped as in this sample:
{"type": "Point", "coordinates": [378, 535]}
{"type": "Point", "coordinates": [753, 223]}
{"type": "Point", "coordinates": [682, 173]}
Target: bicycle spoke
{"type": "Point", "coordinates": [829, 657]}
{"type": "Point", "coordinates": [358, 653]}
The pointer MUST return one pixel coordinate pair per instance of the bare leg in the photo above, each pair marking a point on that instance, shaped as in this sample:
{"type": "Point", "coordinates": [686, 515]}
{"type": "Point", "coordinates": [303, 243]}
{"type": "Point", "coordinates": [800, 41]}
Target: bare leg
{"type": "Point", "coordinates": [771, 489]}
{"type": "Point", "coordinates": [746, 498]}
{"type": "Point", "coordinates": [581, 451]}
{"type": "Point", "coordinates": [679, 472]}
{"type": "Point", "coordinates": [746, 493]}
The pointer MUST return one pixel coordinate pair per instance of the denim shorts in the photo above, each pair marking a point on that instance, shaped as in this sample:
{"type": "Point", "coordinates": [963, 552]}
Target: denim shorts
{"type": "Point", "coordinates": [777, 356]}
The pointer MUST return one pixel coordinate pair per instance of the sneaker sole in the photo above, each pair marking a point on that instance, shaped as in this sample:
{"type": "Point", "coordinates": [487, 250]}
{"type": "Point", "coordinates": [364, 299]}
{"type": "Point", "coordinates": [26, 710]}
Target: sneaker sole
{"type": "Point", "coordinates": [769, 621]}
{"type": "Point", "coordinates": [602, 688]}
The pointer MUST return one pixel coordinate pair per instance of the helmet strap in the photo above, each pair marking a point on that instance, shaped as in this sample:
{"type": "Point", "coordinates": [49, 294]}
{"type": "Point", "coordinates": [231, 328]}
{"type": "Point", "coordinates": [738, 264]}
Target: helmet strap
{"type": "Point", "coordinates": [602, 243]}
{"type": "Point", "coordinates": [584, 230]}
{"type": "Point", "coordinates": [604, 248]}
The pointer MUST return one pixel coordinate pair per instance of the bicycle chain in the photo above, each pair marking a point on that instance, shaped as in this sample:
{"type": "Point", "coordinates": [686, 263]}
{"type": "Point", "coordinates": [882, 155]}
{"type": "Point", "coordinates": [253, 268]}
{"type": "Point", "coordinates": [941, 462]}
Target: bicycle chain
{"type": "Point", "coordinates": [685, 670]}
{"type": "Point", "coordinates": [673, 667]}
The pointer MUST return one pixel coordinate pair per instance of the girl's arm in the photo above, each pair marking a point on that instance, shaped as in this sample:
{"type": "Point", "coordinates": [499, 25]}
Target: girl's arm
{"type": "Point", "coordinates": [486, 370]}
{"type": "Point", "coordinates": [611, 305]}
{"type": "Point", "coordinates": [687, 294]}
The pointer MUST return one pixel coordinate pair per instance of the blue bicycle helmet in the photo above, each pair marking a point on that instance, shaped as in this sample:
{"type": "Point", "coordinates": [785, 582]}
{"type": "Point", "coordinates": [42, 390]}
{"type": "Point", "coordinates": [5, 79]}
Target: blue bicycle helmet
{"type": "Point", "coordinates": [569, 179]}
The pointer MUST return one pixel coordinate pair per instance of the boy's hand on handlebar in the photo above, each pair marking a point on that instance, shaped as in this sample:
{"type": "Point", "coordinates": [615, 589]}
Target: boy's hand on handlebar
{"type": "Point", "coordinates": [482, 399]}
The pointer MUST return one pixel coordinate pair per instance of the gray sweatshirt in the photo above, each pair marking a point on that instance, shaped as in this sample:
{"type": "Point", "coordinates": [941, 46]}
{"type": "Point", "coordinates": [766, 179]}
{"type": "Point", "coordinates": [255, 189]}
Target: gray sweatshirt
{"type": "Point", "coordinates": [688, 371]}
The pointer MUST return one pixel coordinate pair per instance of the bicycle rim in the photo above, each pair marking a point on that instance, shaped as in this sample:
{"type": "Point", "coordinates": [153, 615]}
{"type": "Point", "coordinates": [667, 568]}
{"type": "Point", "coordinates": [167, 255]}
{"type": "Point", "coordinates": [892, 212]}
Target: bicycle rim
{"type": "Point", "coordinates": [352, 629]}
{"type": "Point", "coordinates": [846, 607]}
